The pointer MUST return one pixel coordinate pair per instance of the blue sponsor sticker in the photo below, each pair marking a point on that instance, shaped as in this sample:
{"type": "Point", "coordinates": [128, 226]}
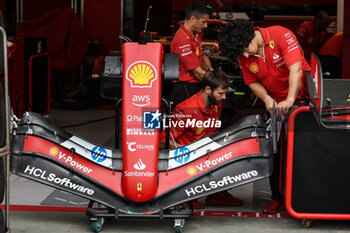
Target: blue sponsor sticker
{"type": "Point", "coordinates": [99, 154]}
{"type": "Point", "coordinates": [151, 120]}
{"type": "Point", "coordinates": [229, 15]}
{"type": "Point", "coordinates": [182, 155]}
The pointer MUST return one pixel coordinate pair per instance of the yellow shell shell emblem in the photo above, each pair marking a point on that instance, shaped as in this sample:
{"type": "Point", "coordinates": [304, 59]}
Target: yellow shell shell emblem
{"type": "Point", "coordinates": [200, 130]}
{"type": "Point", "coordinates": [141, 74]}
{"type": "Point", "coordinates": [272, 44]}
{"type": "Point", "coordinates": [191, 170]}
{"type": "Point", "coordinates": [254, 67]}
{"type": "Point", "coordinates": [53, 151]}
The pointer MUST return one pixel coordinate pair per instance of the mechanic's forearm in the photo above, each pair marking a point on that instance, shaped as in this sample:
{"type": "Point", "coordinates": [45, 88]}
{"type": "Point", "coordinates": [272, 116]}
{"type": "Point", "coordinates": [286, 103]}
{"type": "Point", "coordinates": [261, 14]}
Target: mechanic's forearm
{"type": "Point", "coordinates": [260, 91]}
{"type": "Point", "coordinates": [198, 73]}
{"type": "Point", "coordinates": [206, 64]}
{"type": "Point", "coordinates": [295, 74]}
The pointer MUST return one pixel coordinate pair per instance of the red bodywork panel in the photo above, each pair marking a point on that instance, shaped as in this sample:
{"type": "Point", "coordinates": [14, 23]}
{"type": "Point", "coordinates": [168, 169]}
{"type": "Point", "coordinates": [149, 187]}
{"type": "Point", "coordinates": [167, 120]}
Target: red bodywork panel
{"type": "Point", "coordinates": [168, 180]}
{"type": "Point", "coordinates": [93, 170]}
{"type": "Point", "coordinates": [142, 66]}
{"type": "Point", "coordinates": [315, 72]}
{"type": "Point", "coordinates": [176, 177]}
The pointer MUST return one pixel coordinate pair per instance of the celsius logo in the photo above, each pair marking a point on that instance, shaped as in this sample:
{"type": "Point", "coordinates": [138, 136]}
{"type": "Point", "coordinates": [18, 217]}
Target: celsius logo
{"type": "Point", "coordinates": [130, 144]}
{"type": "Point", "coordinates": [182, 155]}
{"type": "Point", "coordinates": [98, 154]}
{"type": "Point", "coordinates": [139, 165]}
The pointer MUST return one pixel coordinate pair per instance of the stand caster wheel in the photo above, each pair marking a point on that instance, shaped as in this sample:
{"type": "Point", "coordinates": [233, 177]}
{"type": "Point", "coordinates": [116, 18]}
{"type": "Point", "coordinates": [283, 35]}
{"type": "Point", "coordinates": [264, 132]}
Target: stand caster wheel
{"type": "Point", "coordinates": [178, 229]}
{"type": "Point", "coordinates": [306, 223]}
{"type": "Point", "coordinates": [96, 224]}
{"type": "Point", "coordinates": [179, 224]}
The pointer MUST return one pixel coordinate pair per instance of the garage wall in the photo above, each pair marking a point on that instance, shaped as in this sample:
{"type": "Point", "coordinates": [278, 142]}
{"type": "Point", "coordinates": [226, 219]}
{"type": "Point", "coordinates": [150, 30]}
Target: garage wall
{"type": "Point", "coordinates": [346, 42]}
{"type": "Point", "coordinates": [102, 22]}
{"type": "Point", "coordinates": [101, 18]}
{"type": "Point", "coordinates": [180, 5]}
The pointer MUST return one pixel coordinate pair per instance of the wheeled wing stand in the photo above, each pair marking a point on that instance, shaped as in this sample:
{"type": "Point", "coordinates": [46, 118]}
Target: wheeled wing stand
{"type": "Point", "coordinates": [4, 137]}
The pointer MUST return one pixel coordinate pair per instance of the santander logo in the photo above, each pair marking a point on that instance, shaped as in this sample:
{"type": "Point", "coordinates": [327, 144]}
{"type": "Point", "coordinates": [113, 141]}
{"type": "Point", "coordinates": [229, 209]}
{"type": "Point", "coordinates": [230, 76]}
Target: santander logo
{"type": "Point", "coordinates": [139, 165]}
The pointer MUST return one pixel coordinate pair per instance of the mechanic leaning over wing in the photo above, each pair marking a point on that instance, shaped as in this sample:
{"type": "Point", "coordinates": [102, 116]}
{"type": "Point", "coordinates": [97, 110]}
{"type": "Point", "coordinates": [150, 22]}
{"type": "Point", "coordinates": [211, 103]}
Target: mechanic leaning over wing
{"type": "Point", "coordinates": [205, 104]}
{"type": "Point", "coordinates": [193, 62]}
{"type": "Point", "coordinates": [273, 66]}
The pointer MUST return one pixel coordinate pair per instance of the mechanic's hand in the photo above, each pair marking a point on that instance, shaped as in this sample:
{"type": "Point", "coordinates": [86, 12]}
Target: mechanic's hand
{"type": "Point", "coordinates": [283, 107]}
{"type": "Point", "coordinates": [269, 104]}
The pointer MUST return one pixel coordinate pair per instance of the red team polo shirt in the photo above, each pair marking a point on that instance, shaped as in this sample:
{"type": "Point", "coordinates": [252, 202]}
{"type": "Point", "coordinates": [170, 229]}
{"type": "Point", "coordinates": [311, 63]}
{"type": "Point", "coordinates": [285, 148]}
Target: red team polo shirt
{"type": "Point", "coordinates": [190, 53]}
{"type": "Point", "coordinates": [281, 50]}
{"type": "Point", "coordinates": [309, 40]}
{"type": "Point", "coordinates": [333, 46]}
{"type": "Point", "coordinates": [193, 108]}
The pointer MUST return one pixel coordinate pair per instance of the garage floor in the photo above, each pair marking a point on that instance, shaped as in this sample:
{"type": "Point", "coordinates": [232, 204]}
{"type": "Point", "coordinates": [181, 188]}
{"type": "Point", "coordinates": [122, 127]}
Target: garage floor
{"type": "Point", "coordinates": [38, 208]}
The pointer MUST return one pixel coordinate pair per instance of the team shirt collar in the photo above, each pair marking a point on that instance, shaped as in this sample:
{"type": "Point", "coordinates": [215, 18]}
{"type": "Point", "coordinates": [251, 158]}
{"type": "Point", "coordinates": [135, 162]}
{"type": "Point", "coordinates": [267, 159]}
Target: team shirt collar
{"type": "Point", "coordinates": [187, 33]}
{"type": "Point", "coordinates": [265, 34]}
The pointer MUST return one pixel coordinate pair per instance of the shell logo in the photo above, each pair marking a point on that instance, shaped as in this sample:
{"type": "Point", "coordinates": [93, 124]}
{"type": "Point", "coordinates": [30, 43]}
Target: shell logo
{"type": "Point", "coordinates": [200, 130]}
{"type": "Point", "coordinates": [53, 151]}
{"type": "Point", "coordinates": [141, 74]}
{"type": "Point", "coordinates": [191, 170]}
{"type": "Point", "coordinates": [254, 67]}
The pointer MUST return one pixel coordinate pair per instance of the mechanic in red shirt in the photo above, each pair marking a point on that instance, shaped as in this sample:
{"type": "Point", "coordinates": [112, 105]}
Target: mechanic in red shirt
{"type": "Point", "coordinates": [193, 62]}
{"type": "Point", "coordinates": [331, 56]}
{"type": "Point", "coordinates": [273, 66]}
{"type": "Point", "coordinates": [204, 105]}
{"type": "Point", "coordinates": [313, 34]}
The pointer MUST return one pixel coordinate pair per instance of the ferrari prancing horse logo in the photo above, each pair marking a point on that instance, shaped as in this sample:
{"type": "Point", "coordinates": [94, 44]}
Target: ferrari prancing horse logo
{"type": "Point", "coordinates": [139, 187]}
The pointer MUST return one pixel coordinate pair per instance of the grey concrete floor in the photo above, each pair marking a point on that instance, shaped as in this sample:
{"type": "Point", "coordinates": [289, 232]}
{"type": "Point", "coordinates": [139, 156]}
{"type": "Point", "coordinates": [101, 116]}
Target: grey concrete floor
{"type": "Point", "coordinates": [49, 222]}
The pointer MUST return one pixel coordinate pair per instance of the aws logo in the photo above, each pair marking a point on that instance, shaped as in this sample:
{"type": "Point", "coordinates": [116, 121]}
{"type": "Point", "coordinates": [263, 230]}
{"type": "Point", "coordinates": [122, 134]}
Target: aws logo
{"type": "Point", "coordinates": [141, 74]}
